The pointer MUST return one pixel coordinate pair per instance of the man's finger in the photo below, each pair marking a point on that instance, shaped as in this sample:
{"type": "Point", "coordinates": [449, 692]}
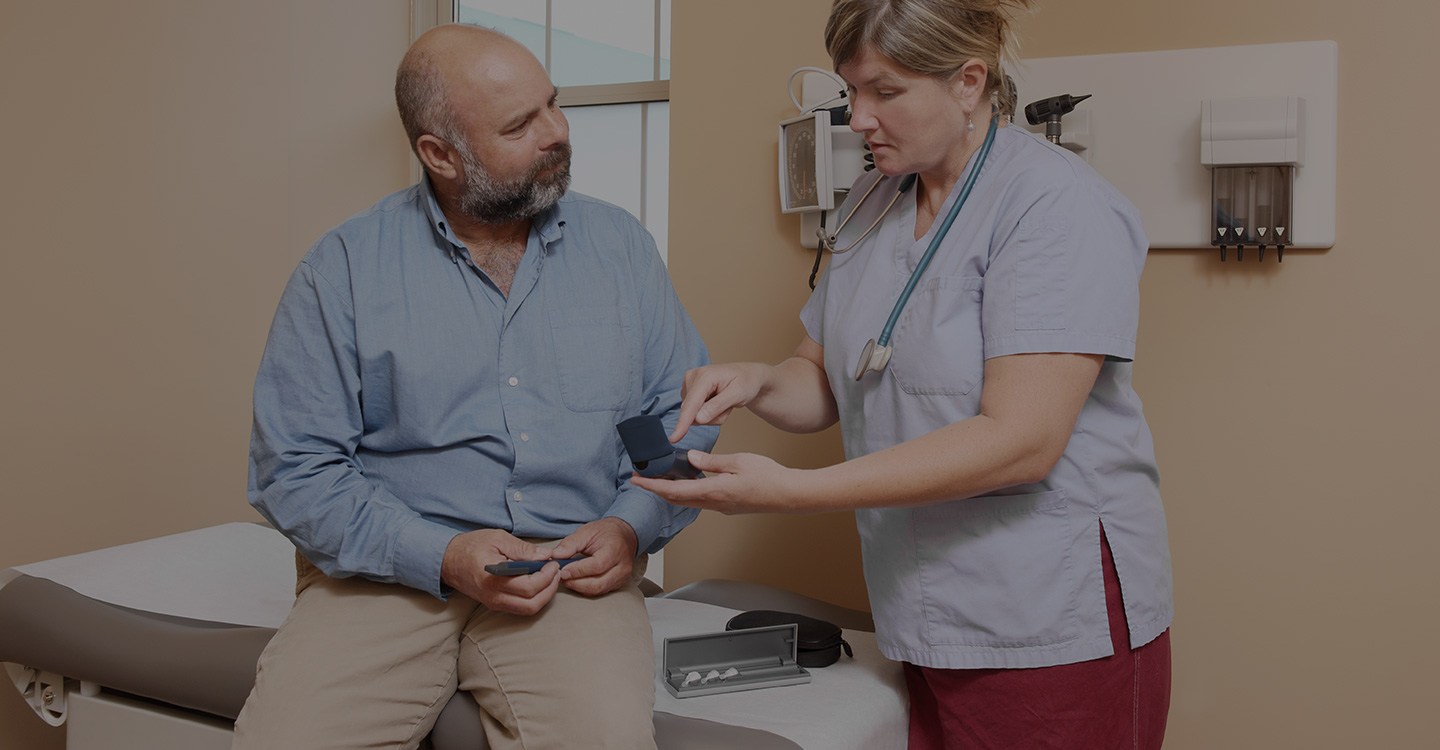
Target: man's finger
{"type": "Point", "coordinates": [590, 566]}
{"type": "Point", "coordinates": [519, 549]}
{"type": "Point", "coordinates": [605, 579]}
{"type": "Point", "coordinates": [580, 542]}
{"type": "Point", "coordinates": [525, 605]}
{"type": "Point", "coordinates": [528, 586]}
{"type": "Point", "coordinates": [593, 585]}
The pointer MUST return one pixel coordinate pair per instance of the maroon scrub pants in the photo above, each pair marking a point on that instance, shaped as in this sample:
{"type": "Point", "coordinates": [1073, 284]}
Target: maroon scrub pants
{"type": "Point", "coordinates": [1120, 701]}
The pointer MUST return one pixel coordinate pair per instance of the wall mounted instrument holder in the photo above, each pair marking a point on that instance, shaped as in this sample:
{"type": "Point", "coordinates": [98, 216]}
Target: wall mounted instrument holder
{"type": "Point", "coordinates": [1262, 120]}
{"type": "Point", "coordinates": [1253, 148]}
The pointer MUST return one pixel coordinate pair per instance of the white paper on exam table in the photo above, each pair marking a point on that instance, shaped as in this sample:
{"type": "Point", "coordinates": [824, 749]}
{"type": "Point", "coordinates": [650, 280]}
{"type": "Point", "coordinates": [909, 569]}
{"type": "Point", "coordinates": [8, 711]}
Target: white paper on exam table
{"type": "Point", "coordinates": [237, 573]}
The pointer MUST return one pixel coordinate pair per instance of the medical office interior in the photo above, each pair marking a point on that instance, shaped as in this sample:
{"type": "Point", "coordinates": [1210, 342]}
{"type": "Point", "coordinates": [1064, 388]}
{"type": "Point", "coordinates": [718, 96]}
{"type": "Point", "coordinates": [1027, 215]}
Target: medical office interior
{"type": "Point", "coordinates": [165, 164]}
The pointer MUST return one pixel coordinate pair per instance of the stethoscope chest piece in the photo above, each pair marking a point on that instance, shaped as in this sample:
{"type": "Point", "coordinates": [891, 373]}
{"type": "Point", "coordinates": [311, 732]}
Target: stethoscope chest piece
{"type": "Point", "coordinates": [873, 358]}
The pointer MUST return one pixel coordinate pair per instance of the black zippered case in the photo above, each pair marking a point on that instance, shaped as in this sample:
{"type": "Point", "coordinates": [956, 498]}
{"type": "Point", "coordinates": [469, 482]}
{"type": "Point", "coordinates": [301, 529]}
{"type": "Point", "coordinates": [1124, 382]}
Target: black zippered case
{"type": "Point", "coordinates": [818, 642]}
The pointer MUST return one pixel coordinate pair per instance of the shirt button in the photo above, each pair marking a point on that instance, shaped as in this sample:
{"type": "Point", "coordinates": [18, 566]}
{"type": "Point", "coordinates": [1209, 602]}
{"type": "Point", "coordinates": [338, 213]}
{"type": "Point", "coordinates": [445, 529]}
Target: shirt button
{"type": "Point", "coordinates": [524, 438]}
{"type": "Point", "coordinates": [514, 382]}
{"type": "Point", "coordinates": [516, 496]}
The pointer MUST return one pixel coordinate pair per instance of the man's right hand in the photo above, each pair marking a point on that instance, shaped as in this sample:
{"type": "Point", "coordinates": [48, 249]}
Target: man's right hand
{"type": "Point", "coordinates": [464, 569]}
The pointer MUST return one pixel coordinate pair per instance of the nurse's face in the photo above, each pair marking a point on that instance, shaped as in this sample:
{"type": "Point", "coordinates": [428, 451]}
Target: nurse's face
{"type": "Point", "coordinates": [912, 122]}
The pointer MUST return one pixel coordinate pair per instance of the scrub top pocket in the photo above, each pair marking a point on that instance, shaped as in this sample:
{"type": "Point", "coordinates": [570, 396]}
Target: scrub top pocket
{"type": "Point", "coordinates": [594, 357]}
{"type": "Point", "coordinates": [939, 348]}
{"type": "Point", "coordinates": [996, 571]}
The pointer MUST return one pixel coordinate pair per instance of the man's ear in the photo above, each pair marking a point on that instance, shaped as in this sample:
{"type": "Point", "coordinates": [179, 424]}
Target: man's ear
{"type": "Point", "coordinates": [438, 157]}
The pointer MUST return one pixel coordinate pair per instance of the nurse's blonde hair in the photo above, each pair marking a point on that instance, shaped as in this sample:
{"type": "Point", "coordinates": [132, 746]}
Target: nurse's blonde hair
{"type": "Point", "coordinates": [932, 37]}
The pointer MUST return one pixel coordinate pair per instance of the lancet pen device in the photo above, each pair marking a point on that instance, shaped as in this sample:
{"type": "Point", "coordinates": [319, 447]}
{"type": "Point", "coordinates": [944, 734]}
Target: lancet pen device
{"type": "Point", "coordinates": [524, 567]}
{"type": "Point", "coordinates": [651, 452]}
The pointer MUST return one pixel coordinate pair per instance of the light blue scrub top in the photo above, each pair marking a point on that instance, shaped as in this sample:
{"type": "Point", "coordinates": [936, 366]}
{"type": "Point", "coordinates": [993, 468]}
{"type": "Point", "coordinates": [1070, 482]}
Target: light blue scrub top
{"type": "Point", "coordinates": [1045, 256]}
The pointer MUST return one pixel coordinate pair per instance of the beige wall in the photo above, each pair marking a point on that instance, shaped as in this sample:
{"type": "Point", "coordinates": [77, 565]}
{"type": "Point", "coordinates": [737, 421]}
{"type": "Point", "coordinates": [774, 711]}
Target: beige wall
{"type": "Point", "coordinates": [162, 168]}
{"type": "Point", "coordinates": [1293, 406]}
{"type": "Point", "coordinates": [168, 168]}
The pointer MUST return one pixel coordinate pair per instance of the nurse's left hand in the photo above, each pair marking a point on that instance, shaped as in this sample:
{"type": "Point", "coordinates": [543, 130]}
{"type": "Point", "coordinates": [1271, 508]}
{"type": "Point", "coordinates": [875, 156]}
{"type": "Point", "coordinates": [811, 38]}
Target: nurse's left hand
{"type": "Point", "coordinates": [734, 483]}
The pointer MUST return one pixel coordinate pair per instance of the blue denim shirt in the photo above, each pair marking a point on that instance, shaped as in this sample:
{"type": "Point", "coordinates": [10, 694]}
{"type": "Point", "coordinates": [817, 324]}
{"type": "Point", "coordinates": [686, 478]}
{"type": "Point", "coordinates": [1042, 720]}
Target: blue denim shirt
{"type": "Point", "coordinates": [402, 399]}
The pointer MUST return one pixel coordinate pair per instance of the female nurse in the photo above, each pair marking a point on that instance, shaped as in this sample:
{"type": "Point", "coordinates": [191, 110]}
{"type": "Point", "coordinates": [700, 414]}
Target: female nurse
{"type": "Point", "coordinates": [1000, 467]}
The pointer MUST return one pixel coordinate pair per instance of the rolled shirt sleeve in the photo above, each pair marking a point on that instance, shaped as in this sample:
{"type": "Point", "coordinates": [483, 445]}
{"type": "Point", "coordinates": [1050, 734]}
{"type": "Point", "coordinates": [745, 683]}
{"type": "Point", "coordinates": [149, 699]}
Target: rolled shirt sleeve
{"type": "Point", "coordinates": [672, 346]}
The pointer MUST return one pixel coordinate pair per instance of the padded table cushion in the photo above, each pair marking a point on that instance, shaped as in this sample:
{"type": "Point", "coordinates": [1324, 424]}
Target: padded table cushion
{"type": "Point", "coordinates": [49, 626]}
{"type": "Point", "coordinates": [209, 666]}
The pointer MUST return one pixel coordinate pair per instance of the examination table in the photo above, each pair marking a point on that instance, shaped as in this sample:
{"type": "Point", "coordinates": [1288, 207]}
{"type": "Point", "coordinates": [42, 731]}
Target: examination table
{"type": "Point", "coordinates": [154, 644]}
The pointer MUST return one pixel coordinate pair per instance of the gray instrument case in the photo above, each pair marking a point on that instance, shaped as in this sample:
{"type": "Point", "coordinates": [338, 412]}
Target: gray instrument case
{"type": "Point", "coordinates": [761, 658]}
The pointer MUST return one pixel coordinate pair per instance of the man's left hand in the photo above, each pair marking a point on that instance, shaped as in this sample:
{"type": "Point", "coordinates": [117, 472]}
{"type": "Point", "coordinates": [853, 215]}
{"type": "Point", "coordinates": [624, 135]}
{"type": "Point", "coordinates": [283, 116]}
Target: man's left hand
{"type": "Point", "coordinates": [610, 546]}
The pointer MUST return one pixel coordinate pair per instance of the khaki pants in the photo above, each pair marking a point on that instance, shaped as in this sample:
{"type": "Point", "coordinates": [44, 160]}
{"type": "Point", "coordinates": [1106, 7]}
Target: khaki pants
{"type": "Point", "coordinates": [365, 664]}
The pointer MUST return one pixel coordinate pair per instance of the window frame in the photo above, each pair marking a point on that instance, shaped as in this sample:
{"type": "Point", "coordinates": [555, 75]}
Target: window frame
{"type": "Point", "coordinates": [427, 14]}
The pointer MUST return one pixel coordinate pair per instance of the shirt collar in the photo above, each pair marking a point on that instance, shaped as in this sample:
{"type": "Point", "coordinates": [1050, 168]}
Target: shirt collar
{"type": "Point", "coordinates": [549, 226]}
{"type": "Point", "coordinates": [438, 220]}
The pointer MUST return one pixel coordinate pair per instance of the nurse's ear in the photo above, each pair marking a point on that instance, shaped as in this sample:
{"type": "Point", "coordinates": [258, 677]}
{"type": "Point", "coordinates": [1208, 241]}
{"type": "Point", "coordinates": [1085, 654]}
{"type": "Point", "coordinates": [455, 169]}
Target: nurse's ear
{"type": "Point", "coordinates": [968, 83]}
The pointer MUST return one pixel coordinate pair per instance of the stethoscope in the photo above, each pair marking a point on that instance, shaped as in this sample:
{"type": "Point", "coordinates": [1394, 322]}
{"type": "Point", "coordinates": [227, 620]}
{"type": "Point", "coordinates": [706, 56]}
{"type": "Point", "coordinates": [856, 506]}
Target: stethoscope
{"type": "Point", "coordinates": [876, 354]}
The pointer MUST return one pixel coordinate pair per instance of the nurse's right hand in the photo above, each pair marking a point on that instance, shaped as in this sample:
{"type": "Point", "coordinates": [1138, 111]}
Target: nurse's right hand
{"type": "Point", "coordinates": [713, 391]}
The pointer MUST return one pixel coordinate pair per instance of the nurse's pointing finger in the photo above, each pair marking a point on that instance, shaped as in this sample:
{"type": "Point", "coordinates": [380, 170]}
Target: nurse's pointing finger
{"type": "Point", "coordinates": [696, 394]}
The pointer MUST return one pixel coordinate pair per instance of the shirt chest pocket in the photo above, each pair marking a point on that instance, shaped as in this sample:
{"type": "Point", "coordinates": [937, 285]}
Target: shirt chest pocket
{"type": "Point", "coordinates": [939, 348]}
{"type": "Point", "coordinates": [595, 357]}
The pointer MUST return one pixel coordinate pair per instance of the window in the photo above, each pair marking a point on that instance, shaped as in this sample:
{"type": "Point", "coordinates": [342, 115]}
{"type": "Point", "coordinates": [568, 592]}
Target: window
{"type": "Point", "coordinates": [611, 60]}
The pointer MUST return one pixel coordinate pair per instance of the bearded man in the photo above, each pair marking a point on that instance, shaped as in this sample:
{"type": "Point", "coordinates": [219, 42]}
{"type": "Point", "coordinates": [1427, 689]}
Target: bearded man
{"type": "Point", "coordinates": [439, 392]}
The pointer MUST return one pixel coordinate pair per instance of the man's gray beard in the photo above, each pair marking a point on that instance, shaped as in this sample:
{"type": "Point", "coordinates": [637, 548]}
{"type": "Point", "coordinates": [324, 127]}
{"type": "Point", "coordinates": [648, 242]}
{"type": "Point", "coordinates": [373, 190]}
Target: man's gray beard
{"type": "Point", "coordinates": [495, 202]}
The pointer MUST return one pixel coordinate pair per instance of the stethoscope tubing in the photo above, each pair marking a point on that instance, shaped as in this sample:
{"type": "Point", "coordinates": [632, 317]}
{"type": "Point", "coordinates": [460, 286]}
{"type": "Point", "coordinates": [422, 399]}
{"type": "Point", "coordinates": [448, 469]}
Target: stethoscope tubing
{"type": "Point", "coordinates": [940, 233]}
{"type": "Point", "coordinates": [829, 239]}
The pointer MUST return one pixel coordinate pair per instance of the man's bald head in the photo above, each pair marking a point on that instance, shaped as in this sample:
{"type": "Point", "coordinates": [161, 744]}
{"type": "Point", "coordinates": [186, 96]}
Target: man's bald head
{"type": "Point", "coordinates": [435, 65]}
{"type": "Point", "coordinates": [482, 116]}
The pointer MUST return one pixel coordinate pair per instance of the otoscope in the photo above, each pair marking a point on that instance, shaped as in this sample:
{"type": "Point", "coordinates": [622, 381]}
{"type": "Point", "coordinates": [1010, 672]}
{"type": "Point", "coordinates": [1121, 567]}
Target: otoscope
{"type": "Point", "coordinates": [1050, 111]}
